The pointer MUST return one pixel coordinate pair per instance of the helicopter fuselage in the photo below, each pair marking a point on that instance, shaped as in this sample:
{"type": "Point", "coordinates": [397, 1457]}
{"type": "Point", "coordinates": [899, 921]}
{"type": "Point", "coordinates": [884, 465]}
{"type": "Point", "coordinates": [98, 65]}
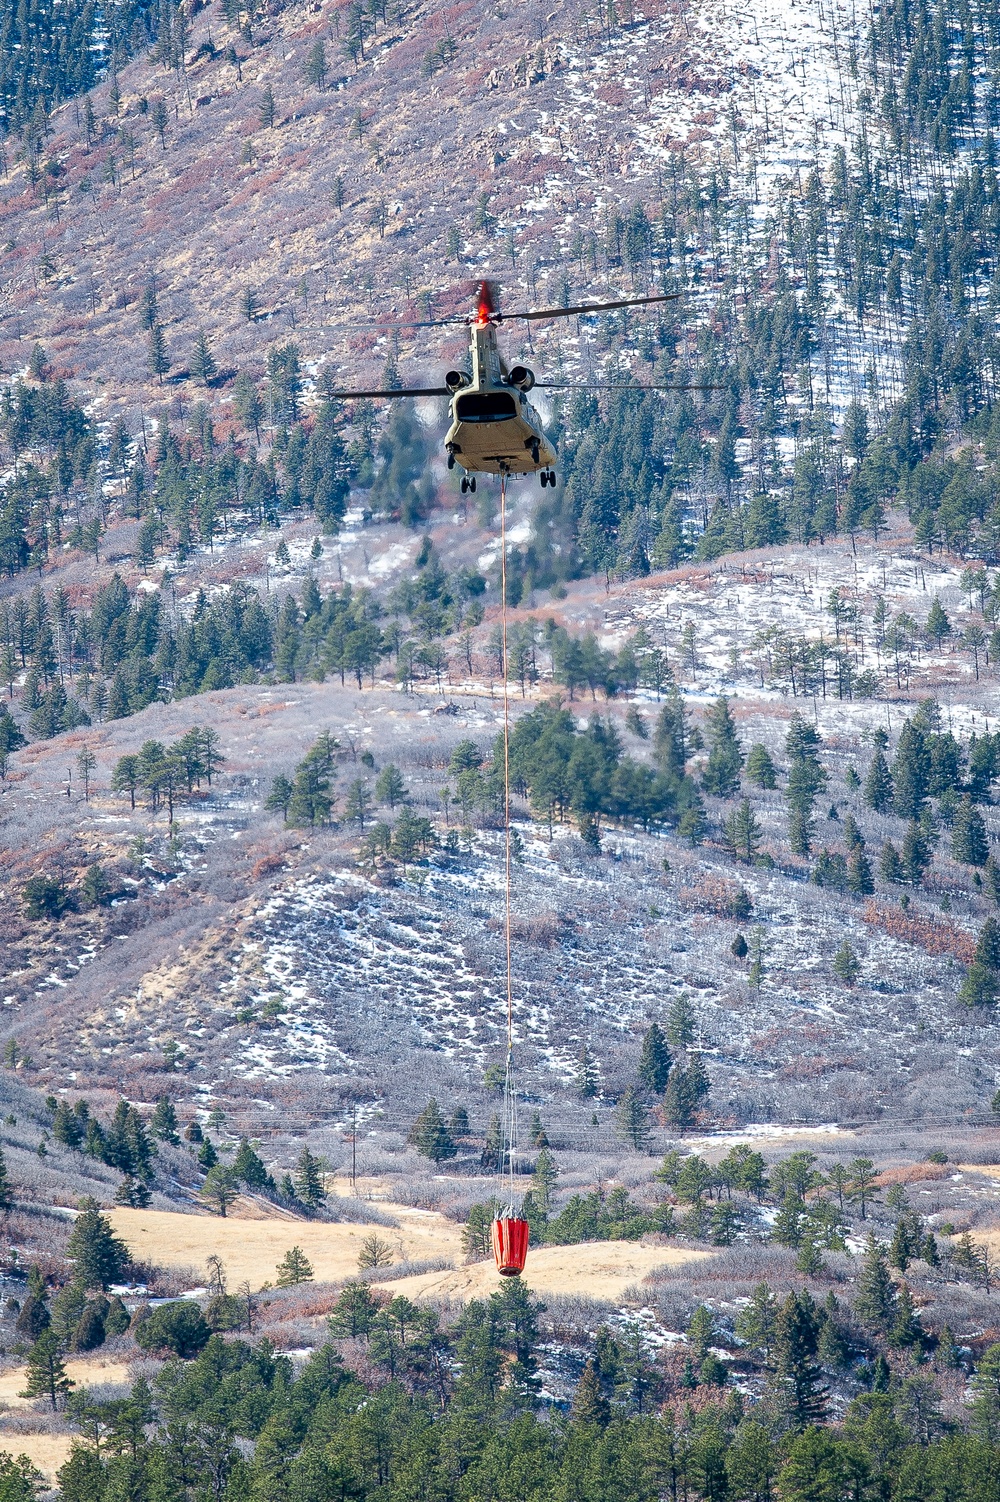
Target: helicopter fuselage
{"type": "Point", "coordinates": [494, 428]}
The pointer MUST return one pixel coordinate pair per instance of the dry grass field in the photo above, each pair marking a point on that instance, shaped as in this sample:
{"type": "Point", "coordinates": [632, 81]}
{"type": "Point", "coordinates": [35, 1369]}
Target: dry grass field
{"type": "Point", "coordinates": [596, 1270]}
{"type": "Point", "coordinates": [252, 1249]}
{"type": "Point", "coordinates": [46, 1451]}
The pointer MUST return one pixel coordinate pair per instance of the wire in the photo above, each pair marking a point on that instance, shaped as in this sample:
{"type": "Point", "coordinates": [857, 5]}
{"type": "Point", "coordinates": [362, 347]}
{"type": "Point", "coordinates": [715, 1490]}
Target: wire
{"type": "Point", "coordinates": [509, 1128]}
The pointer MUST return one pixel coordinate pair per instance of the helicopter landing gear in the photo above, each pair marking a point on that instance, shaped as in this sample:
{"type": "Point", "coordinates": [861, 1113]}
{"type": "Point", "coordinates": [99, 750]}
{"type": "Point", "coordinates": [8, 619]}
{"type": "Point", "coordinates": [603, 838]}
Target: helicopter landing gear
{"type": "Point", "coordinates": [534, 453]}
{"type": "Point", "coordinates": [472, 484]}
{"type": "Point", "coordinates": [451, 459]}
{"type": "Point", "coordinates": [548, 477]}
{"type": "Point", "coordinates": [468, 483]}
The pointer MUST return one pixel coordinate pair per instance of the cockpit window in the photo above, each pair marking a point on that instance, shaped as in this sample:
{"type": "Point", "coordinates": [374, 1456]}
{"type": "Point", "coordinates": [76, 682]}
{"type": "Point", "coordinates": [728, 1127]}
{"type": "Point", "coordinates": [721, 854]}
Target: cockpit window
{"type": "Point", "coordinates": [485, 406]}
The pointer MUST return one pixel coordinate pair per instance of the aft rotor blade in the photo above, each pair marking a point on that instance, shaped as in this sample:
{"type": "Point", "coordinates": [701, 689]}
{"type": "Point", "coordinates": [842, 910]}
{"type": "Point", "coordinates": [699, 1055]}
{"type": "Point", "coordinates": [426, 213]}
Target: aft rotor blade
{"type": "Point", "coordinates": [348, 396]}
{"type": "Point", "coordinates": [590, 307]}
{"type": "Point", "coordinates": [423, 323]}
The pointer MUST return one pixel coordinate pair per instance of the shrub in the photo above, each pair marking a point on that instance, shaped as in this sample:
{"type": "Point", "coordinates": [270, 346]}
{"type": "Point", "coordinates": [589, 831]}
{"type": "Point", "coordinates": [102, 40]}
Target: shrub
{"type": "Point", "coordinates": [178, 1326]}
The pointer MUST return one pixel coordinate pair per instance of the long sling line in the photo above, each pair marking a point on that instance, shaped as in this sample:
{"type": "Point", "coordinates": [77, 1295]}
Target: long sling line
{"type": "Point", "coordinates": [509, 1121]}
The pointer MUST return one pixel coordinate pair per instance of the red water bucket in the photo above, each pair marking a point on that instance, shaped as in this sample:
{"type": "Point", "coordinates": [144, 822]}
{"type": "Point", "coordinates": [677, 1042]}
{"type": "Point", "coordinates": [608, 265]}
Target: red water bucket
{"type": "Point", "coordinates": [510, 1245]}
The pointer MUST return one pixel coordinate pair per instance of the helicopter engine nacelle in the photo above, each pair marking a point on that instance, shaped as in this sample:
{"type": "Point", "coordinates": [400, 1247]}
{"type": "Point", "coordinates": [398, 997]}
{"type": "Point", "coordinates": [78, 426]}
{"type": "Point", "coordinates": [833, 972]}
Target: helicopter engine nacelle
{"type": "Point", "coordinates": [456, 379]}
{"type": "Point", "coordinates": [522, 378]}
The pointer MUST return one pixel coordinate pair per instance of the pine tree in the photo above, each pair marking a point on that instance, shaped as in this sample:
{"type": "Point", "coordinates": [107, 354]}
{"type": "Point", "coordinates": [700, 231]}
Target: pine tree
{"type": "Point", "coordinates": [796, 1341]}
{"type": "Point", "coordinates": [757, 1322]}
{"type": "Point", "coordinates": [220, 1188]}
{"type": "Point", "coordinates": [981, 986]}
{"type": "Point", "coordinates": [163, 1123]}
{"type": "Point", "coordinates": [544, 1179]}
{"type": "Point", "coordinates": [46, 1375]}
{"type": "Point", "coordinates": [633, 1119]}
{"type": "Point", "coordinates": [204, 367]}
{"type": "Point", "coordinates": [681, 1022]}
{"type": "Point", "coordinates": [906, 1332]}
{"type": "Point", "coordinates": [725, 760]}
{"type": "Point", "coordinates": [309, 1180]}
{"type": "Point", "coordinates": [915, 856]}
{"type": "Point", "coordinates": [586, 1074]}
{"type": "Point", "coordinates": [743, 830]}
{"type": "Point", "coordinates": [249, 1168]}
{"type": "Point", "coordinates": [846, 965]}
{"type": "Point", "coordinates": [159, 362]}
{"type": "Point", "coordinates": [986, 1395]}
{"type": "Point", "coordinates": [911, 771]}
{"type": "Point", "coordinates": [890, 867]}
{"type": "Point", "coordinates": [430, 1135]}
{"type": "Point", "coordinates": [6, 1192]}
{"type": "Point", "coordinates": [878, 789]}
{"type": "Point", "coordinates": [760, 767]}
{"type": "Point", "coordinates": [969, 841]}
{"type": "Point", "coordinates": [860, 882]}
{"type": "Point", "coordinates": [100, 1257]}
{"type": "Point", "coordinates": [938, 625]}
{"type": "Point", "coordinates": [654, 1061]}
{"type": "Point", "coordinates": [876, 1302]}
{"type": "Point", "coordinates": [390, 787]}
{"type": "Point", "coordinates": [294, 1268]}
{"type": "Point", "coordinates": [589, 1406]}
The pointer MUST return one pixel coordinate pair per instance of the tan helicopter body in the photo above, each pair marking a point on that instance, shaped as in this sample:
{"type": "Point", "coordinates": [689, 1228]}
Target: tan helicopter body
{"type": "Point", "coordinates": [494, 428]}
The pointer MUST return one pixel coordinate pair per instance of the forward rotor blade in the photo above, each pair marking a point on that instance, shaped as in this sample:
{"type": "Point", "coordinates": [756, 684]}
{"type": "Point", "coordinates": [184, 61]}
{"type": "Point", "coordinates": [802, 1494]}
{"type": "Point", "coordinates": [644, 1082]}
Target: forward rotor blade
{"type": "Point", "coordinates": [348, 396]}
{"type": "Point", "coordinates": [614, 386]}
{"type": "Point", "coordinates": [589, 307]}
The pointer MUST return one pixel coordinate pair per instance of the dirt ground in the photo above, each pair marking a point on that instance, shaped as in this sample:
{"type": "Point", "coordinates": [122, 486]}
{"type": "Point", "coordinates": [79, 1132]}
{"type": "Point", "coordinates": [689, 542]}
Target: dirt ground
{"type": "Point", "coordinates": [252, 1248]}
{"type": "Point", "coordinates": [597, 1269]}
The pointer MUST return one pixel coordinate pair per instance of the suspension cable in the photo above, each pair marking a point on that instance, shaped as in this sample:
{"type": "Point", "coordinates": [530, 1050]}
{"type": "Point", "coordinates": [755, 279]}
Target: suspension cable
{"type": "Point", "coordinates": [509, 1133]}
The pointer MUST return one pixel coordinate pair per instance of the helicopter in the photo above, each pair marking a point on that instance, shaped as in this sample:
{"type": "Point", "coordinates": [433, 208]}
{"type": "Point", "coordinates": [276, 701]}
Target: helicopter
{"type": "Point", "coordinates": [494, 428]}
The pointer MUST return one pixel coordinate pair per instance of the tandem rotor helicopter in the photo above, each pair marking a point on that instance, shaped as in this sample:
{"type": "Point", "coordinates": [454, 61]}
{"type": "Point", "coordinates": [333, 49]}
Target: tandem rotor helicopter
{"type": "Point", "coordinates": [494, 428]}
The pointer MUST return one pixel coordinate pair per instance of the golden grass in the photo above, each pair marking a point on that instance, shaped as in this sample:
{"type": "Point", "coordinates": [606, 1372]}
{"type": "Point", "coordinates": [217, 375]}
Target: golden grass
{"type": "Point", "coordinates": [252, 1248]}
{"type": "Point", "coordinates": [84, 1371]}
{"type": "Point", "coordinates": [47, 1451]}
{"type": "Point", "coordinates": [596, 1269]}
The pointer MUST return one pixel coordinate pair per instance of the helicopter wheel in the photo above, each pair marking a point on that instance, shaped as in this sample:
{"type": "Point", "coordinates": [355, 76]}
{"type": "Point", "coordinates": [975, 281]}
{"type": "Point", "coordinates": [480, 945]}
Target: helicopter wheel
{"type": "Point", "coordinates": [544, 477]}
{"type": "Point", "coordinates": [465, 484]}
{"type": "Point", "coordinates": [534, 453]}
{"type": "Point", "coordinates": [451, 461]}
{"type": "Point", "coordinates": [472, 483]}
{"type": "Point", "coordinates": [552, 478]}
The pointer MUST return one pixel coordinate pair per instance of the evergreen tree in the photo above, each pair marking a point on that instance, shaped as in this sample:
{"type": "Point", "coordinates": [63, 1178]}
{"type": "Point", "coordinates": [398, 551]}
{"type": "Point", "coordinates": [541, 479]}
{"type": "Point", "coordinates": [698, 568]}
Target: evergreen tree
{"type": "Point", "coordinates": [203, 363]}
{"type": "Point", "coordinates": [743, 830]}
{"type": "Point", "coordinates": [6, 1192]}
{"type": "Point", "coordinates": [796, 1340]}
{"type": "Point", "coordinates": [589, 1406]}
{"type": "Point", "coordinates": [985, 1394]}
{"type": "Point", "coordinates": [860, 882]}
{"type": "Point", "coordinates": [586, 1074]}
{"type": "Point", "coordinates": [878, 788]}
{"type": "Point", "coordinates": [430, 1135]}
{"type": "Point", "coordinates": [969, 842]}
{"type": "Point", "coordinates": [915, 856]}
{"type": "Point", "coordinates": [220, 1188]}
{"type": "Point", "coordinates": [681, 1022]}
{"type": "Point", "coordinates": [159, 361]}
{"type": "Point", "coordinates": [390, 787]}
{"type": "Point", "coordinates": [544, 1179]}
{"type": "Point", "coordinates": [757, 1322]}
{"type": "Point", "coordinates": [309, 1180]}
{"type": "Point", "coordinates": [654, 1061]}
{"type": "Point", "coordinates": [890, 867]}
{"type": "Point", "coordinates": [760, 767]}
{"type": "Point", "coordinates": [938, 625]}
{"type": "Point", "coordinates": [633, 1119]}
{"type": "Point", "coordinates": [294, 1268]}
{"type": "Point", "coordinates": [846, 965]}
{"type": "Point", "coordinates": [46, 1376]}
{"type": "Point", "coordinates": [906, 1332]}
{"type": "Point", "coordinates": [876, 1304]}
{"type": "Point", "coordinates": [981, 986]}
{"type": "Point", "coordinates": [100, 1257]}
{"type": "Point", "coordinates": [725, 760]}
{"type": "Point", "coordinates": [163, 1123]}
{"type": "Point", "coordinates": [249, 1168]}
{"type": "Point", "coordinates": [911, 769]}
